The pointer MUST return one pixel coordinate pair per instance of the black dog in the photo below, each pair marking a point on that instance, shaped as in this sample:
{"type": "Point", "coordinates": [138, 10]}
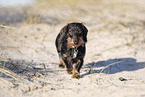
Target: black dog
{"type": "Point", "coordinates": [70, 44]}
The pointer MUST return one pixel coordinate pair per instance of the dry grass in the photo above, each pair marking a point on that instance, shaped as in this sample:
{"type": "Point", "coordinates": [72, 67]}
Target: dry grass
{"type": "Point", "coordinates": [67, 10]}
{"type": "Point", "coordinates": [32, 18]}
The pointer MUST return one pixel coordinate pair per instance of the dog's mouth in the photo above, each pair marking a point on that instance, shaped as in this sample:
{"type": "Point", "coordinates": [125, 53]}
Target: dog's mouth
{"type": "Point", "coordinates": [72, 44]}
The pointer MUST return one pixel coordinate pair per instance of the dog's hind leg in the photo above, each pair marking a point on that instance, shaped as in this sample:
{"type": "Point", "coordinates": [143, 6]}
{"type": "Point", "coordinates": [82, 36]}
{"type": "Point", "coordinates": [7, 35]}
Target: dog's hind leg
{"type": "Point", "coordinates": [61, 64]}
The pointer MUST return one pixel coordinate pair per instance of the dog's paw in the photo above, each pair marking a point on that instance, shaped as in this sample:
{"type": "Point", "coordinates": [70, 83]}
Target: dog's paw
{"type": "Point", "coordinates": [76, 75]}
{"type": "Point", "coordinates": [61, 66]}
{"type": "Point", "coordinates": [69, 71]}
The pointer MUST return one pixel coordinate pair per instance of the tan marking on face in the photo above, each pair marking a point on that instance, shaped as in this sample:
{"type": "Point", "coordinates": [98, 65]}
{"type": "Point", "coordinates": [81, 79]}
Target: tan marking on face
{"type": "Point", "coordinates": [71, 42]}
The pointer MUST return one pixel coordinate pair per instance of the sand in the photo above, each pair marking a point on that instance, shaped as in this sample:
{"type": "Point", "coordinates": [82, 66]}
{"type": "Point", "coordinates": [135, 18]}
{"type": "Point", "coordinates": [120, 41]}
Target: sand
{"type": "Point", "coordinates": [115, 57]}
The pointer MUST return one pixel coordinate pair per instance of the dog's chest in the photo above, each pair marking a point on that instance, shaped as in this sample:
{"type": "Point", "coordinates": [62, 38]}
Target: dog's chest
{"type": "Point", "coordinates": [70, 52]}
{"type": "Point", "coordinates": [74, 54]}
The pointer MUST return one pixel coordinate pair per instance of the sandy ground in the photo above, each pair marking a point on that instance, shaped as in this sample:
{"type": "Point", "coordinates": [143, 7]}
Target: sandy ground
{"type": "Point", "coordinates": [115, 58]}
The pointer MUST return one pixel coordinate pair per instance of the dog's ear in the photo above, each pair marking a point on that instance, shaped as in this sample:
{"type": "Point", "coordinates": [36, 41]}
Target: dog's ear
{"type": "Point", "coordinates": [85, 31]}
{"type": "Point", "coordinates": [63, 32]}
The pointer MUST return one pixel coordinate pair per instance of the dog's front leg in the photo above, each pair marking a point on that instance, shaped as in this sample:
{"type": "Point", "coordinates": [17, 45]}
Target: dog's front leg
{"type": "Point", "coordinates": [76, 68]}
{"type": "Point", "coordinates": [69, 67]}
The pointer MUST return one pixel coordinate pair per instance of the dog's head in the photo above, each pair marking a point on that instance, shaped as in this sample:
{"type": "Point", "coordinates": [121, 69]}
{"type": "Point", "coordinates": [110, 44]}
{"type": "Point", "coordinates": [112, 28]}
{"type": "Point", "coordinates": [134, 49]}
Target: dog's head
{"type": "Point", "coordinates": [75, 34]}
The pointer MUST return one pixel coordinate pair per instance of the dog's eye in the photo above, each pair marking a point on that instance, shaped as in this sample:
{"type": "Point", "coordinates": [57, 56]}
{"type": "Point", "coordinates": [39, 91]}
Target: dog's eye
{"type": "Point", "coordinates": [70, 35]}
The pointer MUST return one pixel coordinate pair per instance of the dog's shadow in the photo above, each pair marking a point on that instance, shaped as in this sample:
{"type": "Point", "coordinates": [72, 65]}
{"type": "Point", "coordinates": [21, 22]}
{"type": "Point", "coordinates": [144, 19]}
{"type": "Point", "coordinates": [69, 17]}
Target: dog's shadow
{"type": "Point", "coordinates": [113, 66]}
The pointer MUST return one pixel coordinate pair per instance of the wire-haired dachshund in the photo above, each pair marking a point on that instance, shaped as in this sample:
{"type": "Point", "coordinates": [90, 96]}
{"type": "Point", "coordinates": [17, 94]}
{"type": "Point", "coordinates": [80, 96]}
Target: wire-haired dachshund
{"type": "Point", "coordinates": [70, 44]}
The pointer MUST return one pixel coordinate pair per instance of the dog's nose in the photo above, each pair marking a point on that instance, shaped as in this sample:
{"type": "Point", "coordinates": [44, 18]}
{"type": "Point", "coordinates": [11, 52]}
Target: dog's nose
{"type": "Point", "coordinates": [75, 42]}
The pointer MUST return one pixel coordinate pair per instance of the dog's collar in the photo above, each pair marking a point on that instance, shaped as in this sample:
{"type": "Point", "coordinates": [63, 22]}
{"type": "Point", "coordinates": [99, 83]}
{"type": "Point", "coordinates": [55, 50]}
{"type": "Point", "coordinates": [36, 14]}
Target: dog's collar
{"type": "Point", "coordinates": [73, 47]}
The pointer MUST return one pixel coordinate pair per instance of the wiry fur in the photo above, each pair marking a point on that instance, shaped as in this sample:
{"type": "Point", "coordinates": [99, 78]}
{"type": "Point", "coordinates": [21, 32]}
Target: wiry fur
{"type": "Point", "coordinates": [70, 44]}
